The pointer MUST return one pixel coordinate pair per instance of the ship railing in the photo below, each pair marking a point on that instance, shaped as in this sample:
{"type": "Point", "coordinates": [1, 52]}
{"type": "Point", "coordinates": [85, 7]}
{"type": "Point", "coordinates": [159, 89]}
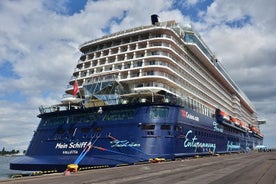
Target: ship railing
{"type": "Point", "coordinates": [149, 98]}
{"type": "Point", "coordinates": [193, 38]}
{"type": "Point", "coordinates": [44, 109]}
{"type": "Point", "coordinates": [171, 23]}
{"type": "Point", "coordinates": [57, 107]}
{"type": "Point", "coordinates": [116, 34]}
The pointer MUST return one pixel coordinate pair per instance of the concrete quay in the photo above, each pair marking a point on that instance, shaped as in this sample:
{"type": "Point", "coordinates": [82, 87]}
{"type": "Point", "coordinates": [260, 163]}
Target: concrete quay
{"type": "Point", "coordinates": [246, 168]}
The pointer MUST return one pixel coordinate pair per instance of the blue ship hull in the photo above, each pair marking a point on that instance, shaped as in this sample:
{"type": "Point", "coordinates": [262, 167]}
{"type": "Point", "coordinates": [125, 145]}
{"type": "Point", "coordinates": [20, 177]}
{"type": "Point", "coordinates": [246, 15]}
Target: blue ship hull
{"type": "Point", "coordinates": [128, 134]}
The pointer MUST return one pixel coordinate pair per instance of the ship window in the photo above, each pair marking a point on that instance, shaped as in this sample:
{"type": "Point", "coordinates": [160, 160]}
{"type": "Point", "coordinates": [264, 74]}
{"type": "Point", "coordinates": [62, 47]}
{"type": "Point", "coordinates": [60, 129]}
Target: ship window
{"type": "Point", "coordinates": [148, 127]}
{"type": "Point", "coordinates": [76, 119]}
{"type": "Point", "coordinates": [150, 73]}
{"type": "Point", "coordinates": [72, 131]}
{"type": "Point", "coordinates": [154, 53]}
{"type": "Point", "coordinates": [60, 131]}
{"type": "Point", "coordinates": [127, 66]}
{"type": "Point", "coordinates": [119, 115]}
{"type": "Point", "coordinates": [138, 64]}
{"type": "Point", "coordinates": [119, 67]}
{"type": "Point", "coordinates": [152, 62]}
{"type": "Point", "coordinates": [178, 128]}
{"type": "Point", "coordinates": [83, 118]}
{"type": "Point", "coordinates": [55, 121]}
{"type": "Point", "coordinates": [159, 112]}
{"type": "Point", "coordinates": [98, 129]}
{"type": "Point", "coordinates": [139, 85]}
{"type": "Point", "coordinates": [85, 130]}
{"type": "Point", "coordinates": [165, 127]}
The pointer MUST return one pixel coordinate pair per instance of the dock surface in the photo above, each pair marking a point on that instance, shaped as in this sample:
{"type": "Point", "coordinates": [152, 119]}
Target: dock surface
{"type": "Point", "coordinates": [254, 167]}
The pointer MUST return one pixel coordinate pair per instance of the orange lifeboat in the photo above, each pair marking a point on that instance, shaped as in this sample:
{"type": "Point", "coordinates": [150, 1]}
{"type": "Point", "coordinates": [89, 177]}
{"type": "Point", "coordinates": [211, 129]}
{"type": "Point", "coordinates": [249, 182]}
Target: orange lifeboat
{"type": "Point", "coordinates": [224, 115]}
{"type": "Point", "coordinates": [255, 129]}
{"type": "Point", "coordinates": [244, 125]}
{"type": "Point", "coordinates": [234, 120]}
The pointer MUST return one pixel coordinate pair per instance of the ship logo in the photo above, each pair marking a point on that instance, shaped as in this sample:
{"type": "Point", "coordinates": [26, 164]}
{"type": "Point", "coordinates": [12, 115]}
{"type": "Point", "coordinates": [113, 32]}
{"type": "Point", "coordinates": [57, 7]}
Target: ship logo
{"type": "Point", "coordinates": [187, 115]}
{"type": "Point", "coordinates": [124, 143]}
{"type": "Point", "coordinates": [193, 142]}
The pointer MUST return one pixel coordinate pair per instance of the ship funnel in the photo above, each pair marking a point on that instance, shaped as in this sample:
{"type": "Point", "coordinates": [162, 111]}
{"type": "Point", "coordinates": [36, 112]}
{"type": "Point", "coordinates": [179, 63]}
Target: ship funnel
{"type": "Point", "coordinates": [154, 19]}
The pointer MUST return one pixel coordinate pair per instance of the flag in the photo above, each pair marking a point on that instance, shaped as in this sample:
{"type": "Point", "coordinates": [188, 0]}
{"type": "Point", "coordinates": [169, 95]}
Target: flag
{"type": "Point", "coordinates": [76, 88]}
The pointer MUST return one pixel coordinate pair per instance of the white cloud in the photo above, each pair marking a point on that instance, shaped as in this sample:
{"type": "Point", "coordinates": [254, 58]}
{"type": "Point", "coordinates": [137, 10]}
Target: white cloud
{"type": "Point", "coordinates": [42, 47]}
{"type": "Point", "coordinates": [187, 3]}
{"type": "Point", "coordinates": [247, 52]}
{"type": "Point", "coordinates": [42, 44]}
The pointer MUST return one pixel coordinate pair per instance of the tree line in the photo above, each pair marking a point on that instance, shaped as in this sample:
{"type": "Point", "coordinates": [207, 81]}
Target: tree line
{"type": "Point", "coordinates": [12, 152]}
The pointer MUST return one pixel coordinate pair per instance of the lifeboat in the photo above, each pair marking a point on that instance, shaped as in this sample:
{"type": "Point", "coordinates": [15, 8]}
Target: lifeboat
{"type": "Point", "coordinates": [255, 129]}
{"type": "Point", "coordinates": [244, 125]}
{"type": "Point", "coordinates": [234, 120]}
{"type": "Point", "coordinates": [224, 115]}
{"type": "Point", "coordinates": [241, 124]}
{"type": "Point", "coordinates": [71, 100]}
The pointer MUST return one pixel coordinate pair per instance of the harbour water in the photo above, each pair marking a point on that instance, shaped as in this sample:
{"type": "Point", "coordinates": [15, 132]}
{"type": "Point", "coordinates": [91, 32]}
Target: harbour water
{"type": "Point", "coordinates": [5, 171]}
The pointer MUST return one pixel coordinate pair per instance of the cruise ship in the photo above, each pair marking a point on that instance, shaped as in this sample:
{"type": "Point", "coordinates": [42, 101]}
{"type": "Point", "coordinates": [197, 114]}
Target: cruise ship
{"type": "Point", "coordinates": [149, 93]}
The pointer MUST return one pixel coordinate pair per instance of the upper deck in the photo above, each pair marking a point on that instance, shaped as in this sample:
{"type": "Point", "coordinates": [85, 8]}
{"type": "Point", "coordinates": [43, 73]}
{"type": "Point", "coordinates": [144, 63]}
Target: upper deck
{"type": "Point", "coordinates": [165, 56]}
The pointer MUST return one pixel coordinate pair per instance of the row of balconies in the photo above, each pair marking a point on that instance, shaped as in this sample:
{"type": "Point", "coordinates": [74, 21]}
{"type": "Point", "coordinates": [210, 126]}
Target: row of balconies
{"type": "Point", "coordinates": [122, 58]}
{"type": "Point", "coordinates": [131, 47]}
{"type": "Point", "coordinates": [138, 74]}
{"type": "Point", "coordinates": [124, 48]}
{"type": "Point", "coordinates": [118, 55]}
{"type": "Point", "coordinates": [124, 41]}
{"type": "Point", "coordinates": [248, 117]}
{"type": "Point", "coordinates": [130, 65]}
{"type": "Point", "coordinates": [202, 73]}
{"type": "Point", "coordinates": [194, 73]}
{"type": "Point", "coordinates": [113, 51]}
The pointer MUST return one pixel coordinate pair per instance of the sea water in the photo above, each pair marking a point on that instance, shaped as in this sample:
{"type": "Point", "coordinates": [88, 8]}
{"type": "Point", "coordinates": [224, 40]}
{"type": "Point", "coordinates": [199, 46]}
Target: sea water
{"type": "Point", "coordinates": [5, 171]}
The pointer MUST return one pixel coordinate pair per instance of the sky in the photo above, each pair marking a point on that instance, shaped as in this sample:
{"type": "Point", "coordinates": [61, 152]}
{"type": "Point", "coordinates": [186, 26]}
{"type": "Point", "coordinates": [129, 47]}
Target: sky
{"type": "Point", "coordinates": [39, 43]}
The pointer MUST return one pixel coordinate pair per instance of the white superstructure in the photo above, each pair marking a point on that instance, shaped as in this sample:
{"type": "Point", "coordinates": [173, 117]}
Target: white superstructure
{"type": "Point", "coordinates": [164, 58]}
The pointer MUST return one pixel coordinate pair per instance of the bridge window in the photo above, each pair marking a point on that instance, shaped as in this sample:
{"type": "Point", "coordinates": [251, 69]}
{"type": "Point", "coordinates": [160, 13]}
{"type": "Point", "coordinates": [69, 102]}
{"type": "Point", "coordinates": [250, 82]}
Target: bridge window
{"type": "Point", "coordinates": [159, 112]}
{"type": "Point", "coordinates": [165, 127]}
{"type": "Point", "coordinates": [53, 121]}
{"type": "Point", "coordinates": [84, 118]}
{"type": "Point", "coordinates": [119, 115]}
{"type": "Point", "coordinates": [148, 127]}
{"type": "Point", "coordinates": [85, 130]}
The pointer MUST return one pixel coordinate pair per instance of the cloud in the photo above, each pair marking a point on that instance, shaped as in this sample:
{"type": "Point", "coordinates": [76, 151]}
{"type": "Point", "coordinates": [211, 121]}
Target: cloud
{"type": "Point", "coordinates": [39, 43]}
{"type": "Point", "coordinates": [247, 51]}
